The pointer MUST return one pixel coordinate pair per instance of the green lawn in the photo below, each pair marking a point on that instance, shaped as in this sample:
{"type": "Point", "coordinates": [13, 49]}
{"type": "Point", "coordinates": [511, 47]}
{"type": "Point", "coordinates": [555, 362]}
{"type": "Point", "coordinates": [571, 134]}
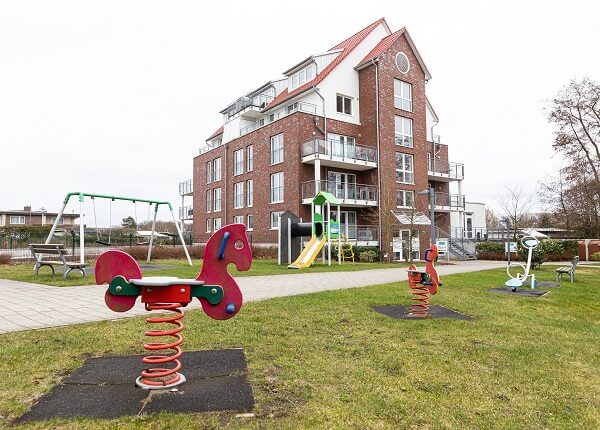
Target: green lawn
{"type": "Point", "coordinates": [327, 361]}
{"type": "Point", "coordinates": [24, 272]}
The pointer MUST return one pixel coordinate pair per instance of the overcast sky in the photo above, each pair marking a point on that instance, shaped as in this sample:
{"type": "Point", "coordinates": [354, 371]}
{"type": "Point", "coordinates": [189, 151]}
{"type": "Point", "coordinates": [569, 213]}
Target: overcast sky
{"type": "Point", "coordinates": [116, 97]}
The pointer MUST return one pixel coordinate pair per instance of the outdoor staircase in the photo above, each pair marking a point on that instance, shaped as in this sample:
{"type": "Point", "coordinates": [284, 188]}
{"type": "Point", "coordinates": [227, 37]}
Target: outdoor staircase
{"type": "Point", "coordinates": [456, 246]}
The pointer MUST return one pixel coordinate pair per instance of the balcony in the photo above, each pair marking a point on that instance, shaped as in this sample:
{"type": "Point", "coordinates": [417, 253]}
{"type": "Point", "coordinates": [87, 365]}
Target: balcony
{"type": "Point", "coordinates": [336, 154]}
{"type": "Point", "coordinates": [248, 106]}
{"type": "Point", "coordinates": [186, 213]}
{"type": "Point", "coordinates": [361, 235]}
{"type": "Point", "coordinates": [186, 188]}
{"type": "Point", "coordinates": [445, 171]}
{"type": "Point", "coordinates": [444, 202]}
{"type": "Point", "coordinates": [356, 195]}
{"type": "Point", "coordinates": [281, 113]}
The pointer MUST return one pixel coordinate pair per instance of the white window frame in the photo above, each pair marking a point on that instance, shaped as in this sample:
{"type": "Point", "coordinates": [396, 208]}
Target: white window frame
{"type": "Point", "coordinates": [405, 199]}
{"type": "Point", "coordinates": [238, 195]}
{"type": "Point", "coordinates": [402, 95]}
{"type": "Point", "coordinates": [250, 193]}
{"type": "Point", "coordinates": [344, 99]}
{"type": "Point", "coordinates": [405, 175]}
{"type": "Point", "coordinates": [238, 219]}
{"type": "Point", "coordinates": [209, 194]}
{"type": "Point", "coordinates": [303, 76]}
{"type": "Point", "coordinates": [249, 222]}
{"type": "Point", "coordinates": [276, 150]}
{"type": "Point", "coordinates": [238, 162]}
{"type": "Point", "coordinates": [208, 225]}
{"type": "Point", "coordinates": [275, 220]}
{"type": "Point", "coordinates": [249, 158]}
{"type": "Point", "coordinates": [17, 219]}
{"type": "Point", "coordinates": [217, 198]}
{"type": "Point", "coordinates": [403, 128]}
{"type": "Point", "coordinates": [209, 176]}
{"type": "Point", "coordinates": [216, 224]}
{"type": "Point", "coordinates": [217, 169]}
{"type": "Point", "coordinates": [277, 187]}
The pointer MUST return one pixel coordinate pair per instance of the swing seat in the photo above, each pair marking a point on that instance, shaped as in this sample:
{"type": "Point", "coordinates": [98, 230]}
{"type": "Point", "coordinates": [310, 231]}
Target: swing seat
{"type": "Point", "coordinates": [143, 243]}
{"type": "Point", "coordinates": [101, 242]}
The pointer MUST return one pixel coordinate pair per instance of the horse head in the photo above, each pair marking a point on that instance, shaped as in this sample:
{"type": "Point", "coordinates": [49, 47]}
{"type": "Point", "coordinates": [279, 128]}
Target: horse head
{"type": "Point", "coordinates": [227, 245]}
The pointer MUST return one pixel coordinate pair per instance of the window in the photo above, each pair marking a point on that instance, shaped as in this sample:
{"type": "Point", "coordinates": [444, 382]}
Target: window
{"type": "Point", "coordinates": [275, 220]}
{"type": "Point", "coordinates": [217, 199]}
{"type": "Point", "coordinates": [238, 162]}
{"type": "Point", "coordinates": [404, 168]}
{"type": "Point", "coordinates": [277, 187]}
{"type": "Point", "coordinates": [249, 193]}
{"type": "Point", "coordinates": [19, 219]}
{"type": "Point", "coordinates": [344, 104]}
{"type": "Point", "coordinates": [402, 95]}
{"type": "Point", "coordinates": [303, 76]}
{"type": "Point", "coordinates": [277, 149]}
{"type": "Point", "coordinates": [250, 222]}
{"type": "Point", "coordinates": [217, 169]}
{"type": "Point", "coordinates": [217, 224]}
{"type": "Point", "coordinates": [404, 132]}
{"type": "Point", "coordinates": [208, 225]}
{"type": "Point", "coordinates": [208, 200]}
{"type": "Point", "coordinates": [342, 146]}
{"type": "Point", "coordinates": [249, 158]}
{"type": "Point", "coordinates": [209, 172]}
{"type": "Point", "coordinates": [405, 198]}
{"type": "Point", "coordinates": [238, 195]}
{"type": "Point", "coordinates": [238, 219]}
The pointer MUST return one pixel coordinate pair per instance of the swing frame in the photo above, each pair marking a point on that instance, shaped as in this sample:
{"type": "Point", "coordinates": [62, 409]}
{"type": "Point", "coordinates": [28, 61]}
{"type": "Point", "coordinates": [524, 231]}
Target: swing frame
{"type": "Point", "coordinates": [82, 197]}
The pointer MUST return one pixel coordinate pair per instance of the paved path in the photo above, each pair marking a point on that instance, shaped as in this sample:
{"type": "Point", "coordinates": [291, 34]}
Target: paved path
{"type": "Point", "coordinates": [26, 306]}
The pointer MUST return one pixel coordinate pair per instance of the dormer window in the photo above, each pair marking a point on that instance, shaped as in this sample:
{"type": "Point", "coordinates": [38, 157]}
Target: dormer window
{"type": "Point", "coordinates": [303, 76]}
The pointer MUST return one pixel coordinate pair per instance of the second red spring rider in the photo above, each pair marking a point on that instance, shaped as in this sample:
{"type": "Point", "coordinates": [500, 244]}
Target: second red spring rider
{"type": "Point", "coordinates": [423, 283]}
{"type": "Point", "coordinates": [214, 287]}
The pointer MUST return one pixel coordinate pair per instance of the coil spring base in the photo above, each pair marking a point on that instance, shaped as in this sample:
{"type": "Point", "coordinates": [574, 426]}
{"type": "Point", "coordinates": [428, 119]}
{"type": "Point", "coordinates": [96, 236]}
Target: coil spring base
{"type": "Point", "coordinates": [420, 295]}
{"type": "Point", "coordinates": [162, 377]}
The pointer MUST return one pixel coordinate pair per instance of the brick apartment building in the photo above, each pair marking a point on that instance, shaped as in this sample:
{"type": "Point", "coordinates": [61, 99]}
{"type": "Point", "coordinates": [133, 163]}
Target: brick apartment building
{"type": "Point", "coordinates": [354, 121]}
{"type": "Point", "coordinates": [27, 216]}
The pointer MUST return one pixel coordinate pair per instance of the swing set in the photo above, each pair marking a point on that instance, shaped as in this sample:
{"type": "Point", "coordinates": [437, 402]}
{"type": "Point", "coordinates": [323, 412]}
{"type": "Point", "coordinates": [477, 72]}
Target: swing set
{"type": "Point", "coordinates": [99, 239]}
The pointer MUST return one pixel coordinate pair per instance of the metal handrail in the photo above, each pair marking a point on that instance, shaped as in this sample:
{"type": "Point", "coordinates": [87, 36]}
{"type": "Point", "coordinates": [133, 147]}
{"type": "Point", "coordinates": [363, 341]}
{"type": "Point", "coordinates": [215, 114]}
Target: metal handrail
{"type": "Point", "coordinates": [283, 112]}
{"type": "Point", "coordinates": [345, 191]}
{"type": "Point", "coordinates": [334, 148]}
{"type": "Point", "coordinates": [452, 200]}
{"type": "Point", "coordinates": [186, 212]}
{"type": "Point", "coordinates": [186, 187]}
{"type": "Point", "coordinates": [451, 168]}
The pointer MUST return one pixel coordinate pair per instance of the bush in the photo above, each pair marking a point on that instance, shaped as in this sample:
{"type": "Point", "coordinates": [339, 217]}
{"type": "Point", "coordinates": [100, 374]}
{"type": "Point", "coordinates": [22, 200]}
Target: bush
{"type": "Point", "coordinates": [164, 252]}
{"type": "Point", "coordinates": [5, 259]}
{"type": "Point", "coordinates": [490, 247]}
{"type": "Point", "coordinates": [596, 256]}
{"type": "Point", "coordinates": [367, 254]}
{"type": "Point", "coordinates": [264, 253]}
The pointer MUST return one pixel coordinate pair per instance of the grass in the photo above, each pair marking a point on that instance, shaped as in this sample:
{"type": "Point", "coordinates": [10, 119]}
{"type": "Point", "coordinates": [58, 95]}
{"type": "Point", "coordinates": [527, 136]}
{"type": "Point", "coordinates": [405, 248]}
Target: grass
{"type": "Point", "coordinates": [327, 361]}
{"type": "Point", "coordinates": [24, 271]}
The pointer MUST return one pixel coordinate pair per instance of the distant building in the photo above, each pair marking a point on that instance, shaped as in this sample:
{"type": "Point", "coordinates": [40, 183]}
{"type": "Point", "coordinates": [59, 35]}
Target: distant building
{"type": "Point", "coordinates": [26, 216]}
{"type": "Point", "coordinates": [470, 226]}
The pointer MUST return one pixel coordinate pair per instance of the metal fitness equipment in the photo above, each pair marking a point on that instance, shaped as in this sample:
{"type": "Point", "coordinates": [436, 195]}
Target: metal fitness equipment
{"type": "Point", "coordinates": [423, 283]}
{"type": "Point", "coordinates": [216, 289]}
{"type": "Point", "coordinates": [529, 243]}
{"type": "Point", "coordinates": [113, 198]}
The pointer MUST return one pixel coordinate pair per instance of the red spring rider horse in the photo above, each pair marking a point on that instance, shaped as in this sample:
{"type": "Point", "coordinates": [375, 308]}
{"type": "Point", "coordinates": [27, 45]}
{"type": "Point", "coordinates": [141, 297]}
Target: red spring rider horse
{"type": "Point", "coordinates": [422, 284]}
{"type": "Point", "coordinates": [216, 289]}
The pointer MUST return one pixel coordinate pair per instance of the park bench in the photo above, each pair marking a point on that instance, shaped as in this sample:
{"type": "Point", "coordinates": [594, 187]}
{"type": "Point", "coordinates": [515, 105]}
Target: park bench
{"type": "Point", "coordinates": [567, 270]}
{"type": "Point", "coordinates": [42, 251]}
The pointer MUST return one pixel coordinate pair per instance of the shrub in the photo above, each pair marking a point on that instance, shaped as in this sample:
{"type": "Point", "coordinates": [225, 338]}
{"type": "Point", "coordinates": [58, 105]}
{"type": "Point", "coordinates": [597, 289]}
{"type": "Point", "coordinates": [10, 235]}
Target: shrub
{"type": "Point", "coordinates": [595, 256]}
{"type": "Point", "coordinates": [367, 254]}
{"type": "Point", "coordinates": [490, 247]}
{"type": "Point", "coordinates": [265, 253]}
{"type": "Point", "coordinates": [164, 252]}
{"type": "Point", "coordinates": [5, 259]}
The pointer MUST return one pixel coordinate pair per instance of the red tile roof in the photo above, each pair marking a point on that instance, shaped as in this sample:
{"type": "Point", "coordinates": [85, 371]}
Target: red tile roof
{"type": "Point", "coordinates": [216, 133]}
{"type": "Point", "coordinates": [347, 46]}
{"type": "Point", "coordinates": [381, 47]}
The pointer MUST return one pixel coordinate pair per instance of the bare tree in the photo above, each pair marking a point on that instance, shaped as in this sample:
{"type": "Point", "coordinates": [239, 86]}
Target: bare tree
{"type": "Point", "coordinates": [515, 205]}
{"type": "Point", "coordinates": [491, 219]}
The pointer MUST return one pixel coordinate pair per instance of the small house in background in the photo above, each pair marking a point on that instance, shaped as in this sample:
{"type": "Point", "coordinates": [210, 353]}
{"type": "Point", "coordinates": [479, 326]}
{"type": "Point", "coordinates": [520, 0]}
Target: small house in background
{"type": "Point", "coordinates": [28, 217]}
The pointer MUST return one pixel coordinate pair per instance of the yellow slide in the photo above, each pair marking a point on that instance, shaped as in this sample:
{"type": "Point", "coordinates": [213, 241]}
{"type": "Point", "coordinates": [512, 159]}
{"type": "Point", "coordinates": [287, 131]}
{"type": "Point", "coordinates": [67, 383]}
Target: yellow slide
{"type": "Point", "coordinates": [309, 253]}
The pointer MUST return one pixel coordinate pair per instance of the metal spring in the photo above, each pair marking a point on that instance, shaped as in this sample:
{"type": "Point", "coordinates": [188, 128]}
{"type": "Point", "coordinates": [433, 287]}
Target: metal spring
{"type": "Point", "coordinates": [421, 297]}
{"type": "Point", "coordinates": [163, 377]}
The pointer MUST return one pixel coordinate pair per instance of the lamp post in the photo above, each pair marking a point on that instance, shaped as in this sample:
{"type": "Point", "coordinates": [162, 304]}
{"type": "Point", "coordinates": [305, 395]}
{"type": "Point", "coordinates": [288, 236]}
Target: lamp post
{"type": "Point", "coordinates": [431, 193]}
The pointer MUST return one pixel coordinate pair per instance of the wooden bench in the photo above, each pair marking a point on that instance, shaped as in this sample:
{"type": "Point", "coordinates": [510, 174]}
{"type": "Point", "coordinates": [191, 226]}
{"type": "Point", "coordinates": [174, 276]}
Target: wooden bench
{"type": "Point", "coordinates": [42, 251]}
{"type": "Point", "coordinates": [568, 270]}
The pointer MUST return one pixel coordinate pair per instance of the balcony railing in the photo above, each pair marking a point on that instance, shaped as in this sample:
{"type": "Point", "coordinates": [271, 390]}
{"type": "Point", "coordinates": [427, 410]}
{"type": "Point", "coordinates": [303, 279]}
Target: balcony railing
{"type": "Point", "coordinates": [186, 212]}
{"type": "Point", "coordinates": [449, 168]}
{"type": "Point", "coordinates": [333, 148]}
{"type": "Point", "coordinates": [259, 101]}
{"type": "Point", "coordinates": [186, 187]}
{"type": "Point", "coordinates": [360, 233]}
{"type": "Point", "coordinates": [349, 193]}
{"type": "Point", "coordinates": [289, 109]}
{"type": "Point", "coordinates": [454, 201]}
